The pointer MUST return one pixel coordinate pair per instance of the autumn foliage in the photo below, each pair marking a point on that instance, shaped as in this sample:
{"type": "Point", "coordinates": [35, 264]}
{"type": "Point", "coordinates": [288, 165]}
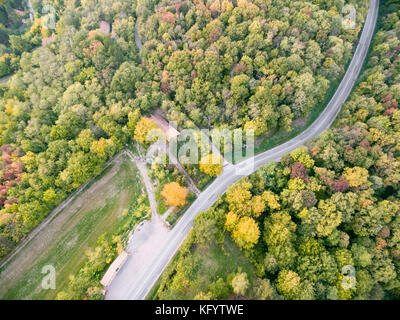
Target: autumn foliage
{"type": "Point", "coordinates": [10, 173]}
{"type": "Point", "coordinates": [174, 194]}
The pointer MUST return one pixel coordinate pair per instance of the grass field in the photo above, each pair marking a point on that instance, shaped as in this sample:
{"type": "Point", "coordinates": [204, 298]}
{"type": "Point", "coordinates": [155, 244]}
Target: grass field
{"type": "Point", "coordinates": [65, 240]}
{"type": "Point", "coordinates": [282, 136]}
{"type": "Point", "coordinates": [211, 263]}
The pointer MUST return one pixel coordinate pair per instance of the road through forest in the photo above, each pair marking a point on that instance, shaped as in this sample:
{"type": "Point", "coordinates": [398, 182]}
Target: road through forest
{"type": "Point", "coordinates": [129, 285]}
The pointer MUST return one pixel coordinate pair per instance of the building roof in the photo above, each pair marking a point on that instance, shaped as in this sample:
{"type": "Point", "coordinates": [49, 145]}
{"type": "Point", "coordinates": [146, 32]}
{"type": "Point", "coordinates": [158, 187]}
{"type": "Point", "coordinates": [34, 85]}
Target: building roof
{"type": "Point", "coordinates": [114, 268]}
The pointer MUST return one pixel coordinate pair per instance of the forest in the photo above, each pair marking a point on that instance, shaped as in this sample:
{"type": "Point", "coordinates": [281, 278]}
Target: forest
{"type": "Point", "coordinates": [323, 222]}
{"type": "Point", "coordinates": [245, 64]}
{"type": "Point", "coordinates": [60, 115]}
{"type": "Point", "coordinates": [77, 100]}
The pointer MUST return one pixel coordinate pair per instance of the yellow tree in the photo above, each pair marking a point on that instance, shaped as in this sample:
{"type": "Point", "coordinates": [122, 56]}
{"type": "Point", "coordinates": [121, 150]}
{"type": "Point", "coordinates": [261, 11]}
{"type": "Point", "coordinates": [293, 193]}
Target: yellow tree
{"type": "Point", "coordinates": [144, 130]}
{"type": "Point", "coordinates": [211, 165]}
{"type": "Point", "coordinates": [271, 199]}
{"type": "Point", "coordinates": [301, 155]}
{"type": "Point", "coordinates": [296, 184]}
{"type": "Point", "coordinates": [51, 197]}
{"type": "Point", "coordinates": [288, 284]}
{"type": "Point", "coordinates": [259, 126]}
{"type": "Point", "coordinates": [242, 202]}
{"type": "Point", "coordinates": [226, 6]}
{"type": "Point", "coordinates": [257, 206]}
{"type": "Point", "coordinates": [203, 296]}
{"type": "Point", "coordinates": [29, 161]}
{"type": "Point", "coordinates": [174, 194]}
{"type": "Point", "coordinates": [133, 119]}
{"type": "Point", "coordinates": [356, 176]}
{"type": "Point", "coordinates": [246, 233]}
{"type": "Point", "coordinates": [231, 220]}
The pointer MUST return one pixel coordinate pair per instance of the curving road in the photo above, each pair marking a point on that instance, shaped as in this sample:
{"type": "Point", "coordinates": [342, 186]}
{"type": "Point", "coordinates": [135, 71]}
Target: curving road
{"type": "Point", "coordinates": [137, 286]}
{"type": "Point", "coordinates": [6, 78]}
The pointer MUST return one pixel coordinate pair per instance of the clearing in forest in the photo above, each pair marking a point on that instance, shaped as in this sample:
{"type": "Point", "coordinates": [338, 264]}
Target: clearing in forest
{"type": "Point", "coordinates": [72, 232]}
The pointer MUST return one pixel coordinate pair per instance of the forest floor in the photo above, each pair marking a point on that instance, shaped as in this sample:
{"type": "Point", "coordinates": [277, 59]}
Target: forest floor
{"type": "Point", "coordinates": [67, 237]}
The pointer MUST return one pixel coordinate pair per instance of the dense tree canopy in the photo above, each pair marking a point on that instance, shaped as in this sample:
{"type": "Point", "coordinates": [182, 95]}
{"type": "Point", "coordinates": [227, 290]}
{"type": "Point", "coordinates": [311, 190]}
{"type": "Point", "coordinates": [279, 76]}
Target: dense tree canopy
{"type": "Point", "coordinates": [327, 215]}
{"type": "Point", "coordinates": [80, 98]}
{"type": "Point", "coordinates": [62, 116]}
{"type": "Point", "coordinates": [250, 64]}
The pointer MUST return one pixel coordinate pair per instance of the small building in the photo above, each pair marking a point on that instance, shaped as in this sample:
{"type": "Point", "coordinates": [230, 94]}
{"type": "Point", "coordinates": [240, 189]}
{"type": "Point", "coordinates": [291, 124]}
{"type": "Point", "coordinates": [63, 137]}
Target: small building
{"type": "Point", "coordinates": [113, 269]}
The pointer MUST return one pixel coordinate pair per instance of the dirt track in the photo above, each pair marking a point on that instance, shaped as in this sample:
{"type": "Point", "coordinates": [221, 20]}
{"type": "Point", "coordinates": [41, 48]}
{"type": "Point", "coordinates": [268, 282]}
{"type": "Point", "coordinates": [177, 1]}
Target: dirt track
{"type": "Point", "coordinates": [36, 245]}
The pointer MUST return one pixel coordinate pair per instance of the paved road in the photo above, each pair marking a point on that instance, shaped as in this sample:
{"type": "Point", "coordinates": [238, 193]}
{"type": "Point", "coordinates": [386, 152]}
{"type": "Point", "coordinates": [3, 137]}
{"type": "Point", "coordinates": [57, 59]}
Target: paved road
{"type": "Point", "coordinates": [137, 286]}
